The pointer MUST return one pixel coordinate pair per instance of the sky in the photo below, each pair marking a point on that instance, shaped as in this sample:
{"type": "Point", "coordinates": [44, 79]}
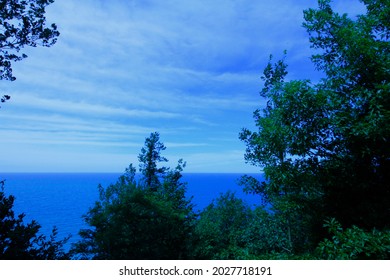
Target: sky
{"type": "Point", "coordinates": [123, 69]}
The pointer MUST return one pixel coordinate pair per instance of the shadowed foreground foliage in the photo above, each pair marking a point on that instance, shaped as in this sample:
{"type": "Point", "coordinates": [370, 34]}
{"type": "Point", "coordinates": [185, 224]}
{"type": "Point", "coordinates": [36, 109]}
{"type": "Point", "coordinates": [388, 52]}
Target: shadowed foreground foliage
{"type": "Point", "coordinates": [21, 241]}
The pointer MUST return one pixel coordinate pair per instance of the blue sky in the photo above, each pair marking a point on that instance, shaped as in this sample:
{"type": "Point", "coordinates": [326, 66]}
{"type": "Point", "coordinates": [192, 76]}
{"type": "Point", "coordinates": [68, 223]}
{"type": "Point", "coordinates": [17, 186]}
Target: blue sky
{"type": "Point", "coordinates": [123, 69]}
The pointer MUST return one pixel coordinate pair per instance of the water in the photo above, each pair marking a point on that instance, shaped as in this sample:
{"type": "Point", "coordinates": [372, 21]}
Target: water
{"type": "Point", "coordinates": [60, 199]}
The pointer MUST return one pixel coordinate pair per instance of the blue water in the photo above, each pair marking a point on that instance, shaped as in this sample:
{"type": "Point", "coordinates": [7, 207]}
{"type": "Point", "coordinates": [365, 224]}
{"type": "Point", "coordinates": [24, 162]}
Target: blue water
{"type": "Point", "coordinates": [60, 199]}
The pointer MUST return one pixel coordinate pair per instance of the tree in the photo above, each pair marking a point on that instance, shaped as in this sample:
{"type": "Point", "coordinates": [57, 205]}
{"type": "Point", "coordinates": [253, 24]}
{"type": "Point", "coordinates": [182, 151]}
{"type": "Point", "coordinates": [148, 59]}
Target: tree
{"type": "Point", "coordinates": [324, 147]}
{"type": "Point", "coordinates": [289, 129]}
{"type": "Point", "coordinates": [149, 157]}
{"type": "Point", "coordinates": [22, 23]}
{"type": "Point", "coordinates": [221, 229]}
{"type": "Point", "coordinates": [131, 220]}
{"type": "Point", "coordinates": [20, 241]}
{"type": "Point", "coordinates": [355, 58]}
{"type": "Point", "coordinates": [229, 229]}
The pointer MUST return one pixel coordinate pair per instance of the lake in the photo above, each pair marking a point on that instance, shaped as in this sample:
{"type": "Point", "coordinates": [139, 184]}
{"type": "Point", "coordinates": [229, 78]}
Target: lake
{"type": "Point", "coordinates": [60, 199]}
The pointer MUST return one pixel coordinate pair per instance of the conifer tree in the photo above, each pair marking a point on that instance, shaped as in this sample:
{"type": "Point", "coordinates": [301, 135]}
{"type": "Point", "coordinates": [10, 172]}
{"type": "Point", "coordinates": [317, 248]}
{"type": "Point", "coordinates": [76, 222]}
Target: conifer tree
{"type": "Point", "coordinates": [148, 218]}
{"type": "Point", "coordinates": [149, 159]}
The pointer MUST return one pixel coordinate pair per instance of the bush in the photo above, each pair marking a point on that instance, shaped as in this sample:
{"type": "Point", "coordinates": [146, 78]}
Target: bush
{"type": "Point", "coordinates": [354, 243]}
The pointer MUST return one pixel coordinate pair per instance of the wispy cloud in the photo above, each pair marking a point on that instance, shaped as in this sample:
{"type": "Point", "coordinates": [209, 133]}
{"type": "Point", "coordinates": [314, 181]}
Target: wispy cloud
{"type": "Point", "coordinates": [83, 108]}
{"type": "Point", "coordinates": [122, 69]}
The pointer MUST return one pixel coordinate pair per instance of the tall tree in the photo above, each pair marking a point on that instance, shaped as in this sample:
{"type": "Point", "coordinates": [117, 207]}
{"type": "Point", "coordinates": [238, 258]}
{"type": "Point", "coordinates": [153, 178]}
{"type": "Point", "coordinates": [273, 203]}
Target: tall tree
{"type": "Point", "coordinates": [324, 147]}
{"type": "Point", "coordinates": [149, 159]}
{"type": "Point", "coordinates": [148, 219]}
{"type": "Point", "coordinates": [22, 23]}
{"type": "Point", "coordinates": [354, 55]}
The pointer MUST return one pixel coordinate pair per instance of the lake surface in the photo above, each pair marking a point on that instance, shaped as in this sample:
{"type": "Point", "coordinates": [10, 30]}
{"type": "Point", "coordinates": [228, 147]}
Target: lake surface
{"type": "Point", "coordinates": [60, 199]}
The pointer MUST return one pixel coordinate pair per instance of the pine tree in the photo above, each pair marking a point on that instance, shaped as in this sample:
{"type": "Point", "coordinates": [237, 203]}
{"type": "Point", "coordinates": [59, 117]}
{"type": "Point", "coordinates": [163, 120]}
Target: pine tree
{"type": "Point", "coordinates": [148, 219]}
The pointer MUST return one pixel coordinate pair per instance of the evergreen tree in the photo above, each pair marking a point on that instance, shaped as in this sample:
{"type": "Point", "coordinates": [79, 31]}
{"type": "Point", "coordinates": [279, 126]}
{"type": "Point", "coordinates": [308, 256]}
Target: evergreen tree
{"type": "Point", "coordinates": [149, 219]}
{"type": "Point", "coordinates": [149, 158]}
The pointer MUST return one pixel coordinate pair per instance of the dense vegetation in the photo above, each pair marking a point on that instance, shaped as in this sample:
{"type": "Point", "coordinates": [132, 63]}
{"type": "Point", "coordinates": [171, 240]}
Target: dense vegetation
{"type": "Point", "coordinates": [322, 146]}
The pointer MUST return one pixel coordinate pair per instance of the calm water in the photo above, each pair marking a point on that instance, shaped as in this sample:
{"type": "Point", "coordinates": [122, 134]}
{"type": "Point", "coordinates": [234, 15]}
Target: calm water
{"type": "Point", "coordinates": [61, 199]}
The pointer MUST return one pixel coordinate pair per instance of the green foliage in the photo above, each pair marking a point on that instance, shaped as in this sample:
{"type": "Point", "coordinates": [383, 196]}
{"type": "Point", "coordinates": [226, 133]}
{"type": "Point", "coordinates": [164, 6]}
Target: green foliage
{"type": "Point", "coordinates": [354, 243]}
{"type": "Point", "coordinates": [268, 234]}
{"type": "Point", "coordinates": [289, 144]}
{"type": "Point", "coordinates": [221, 229]}
{"type": "Point", "coordinates": [133, 220]}
{"type": "Point", "coordinates": [22, 23]}
{"type": "Point", "coordinates": [324, 147]}
{"type": "Point", "coordinates": [20, 241]}
{"type": "Point", "coordinates": [229, 229]}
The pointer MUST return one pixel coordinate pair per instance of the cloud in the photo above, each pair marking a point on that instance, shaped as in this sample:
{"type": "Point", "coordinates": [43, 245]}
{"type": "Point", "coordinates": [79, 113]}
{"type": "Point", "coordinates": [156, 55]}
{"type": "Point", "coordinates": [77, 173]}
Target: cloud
{"type": "Point", "coordinates": [228, 161]}
{"type": "Point", "coordinates": [84, 108]}
{"type": "Point", "coordinates": [123, 69]}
